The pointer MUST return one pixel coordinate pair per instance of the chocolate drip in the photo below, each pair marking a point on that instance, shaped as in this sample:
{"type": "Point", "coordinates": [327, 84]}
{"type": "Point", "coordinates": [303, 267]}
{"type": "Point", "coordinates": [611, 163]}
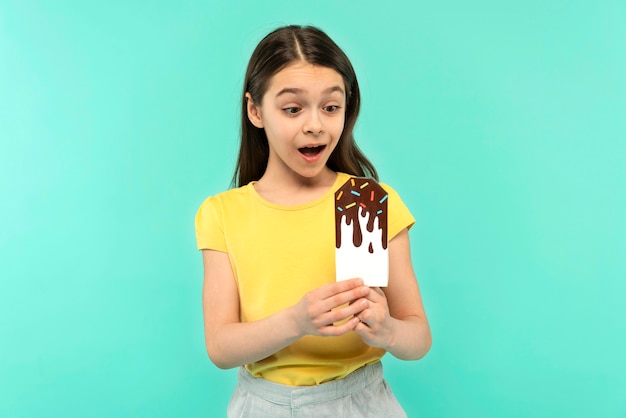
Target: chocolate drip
{"type": "Point", "coordinates": [357, 236]}
{"type": "Point", "coordinates": [356, 195]}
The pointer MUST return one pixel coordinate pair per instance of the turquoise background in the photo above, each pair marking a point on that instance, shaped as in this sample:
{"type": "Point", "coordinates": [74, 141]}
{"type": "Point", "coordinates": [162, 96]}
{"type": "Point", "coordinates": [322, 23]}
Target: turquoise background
{"type": "Point", "coordinates": [502, 125]}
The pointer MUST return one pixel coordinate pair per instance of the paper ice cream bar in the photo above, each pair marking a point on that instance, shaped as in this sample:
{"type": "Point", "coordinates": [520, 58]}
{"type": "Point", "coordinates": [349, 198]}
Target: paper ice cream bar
{"type": "Point", "coordinates": [361, 232]}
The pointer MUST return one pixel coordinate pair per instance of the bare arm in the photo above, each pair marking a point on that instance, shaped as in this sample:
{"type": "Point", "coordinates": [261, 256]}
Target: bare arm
{"type": "Point", "coordinates": [228, 340]}
{"type": "Point", "coordinates": [395, 318]}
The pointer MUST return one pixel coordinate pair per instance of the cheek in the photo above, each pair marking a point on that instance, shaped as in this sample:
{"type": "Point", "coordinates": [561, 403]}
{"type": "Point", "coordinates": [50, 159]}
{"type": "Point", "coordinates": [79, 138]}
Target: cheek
{"type": "Point", "coordinates": [337, 127]}
{"type": "Point", "coordinates": [283, 131]}
{"type": "Point", "coordinates": [278, 132]}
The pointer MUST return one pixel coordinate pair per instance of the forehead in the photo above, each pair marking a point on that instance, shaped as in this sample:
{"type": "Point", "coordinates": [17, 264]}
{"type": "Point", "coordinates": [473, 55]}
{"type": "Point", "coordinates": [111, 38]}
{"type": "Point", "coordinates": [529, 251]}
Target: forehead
{"type": "Point", "coordinates": [305, 76]}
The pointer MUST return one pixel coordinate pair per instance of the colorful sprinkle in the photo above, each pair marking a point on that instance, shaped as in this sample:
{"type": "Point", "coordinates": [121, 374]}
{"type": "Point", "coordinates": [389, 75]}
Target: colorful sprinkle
{"type": "Point", "coordinates": [377, 213]}
{"type": "Point", "coordinates": [372, 196]}
{"type": "Point", "coordinates": [339, 209]}
{"type": "Point", "coordinates": [364, 185]}
{"type": "Point", "coordinates": [355, 193]}
{"type": "Point", "coordinates": [340, 194]}
{"type": "Point", "coordinates": [350, 205]}
{"type": "Point", "coordinates": [384, 198]}
{"type": "Point", "coordinates": [363, 204]}
{"type": "Point", "coordinates": [352, 181]}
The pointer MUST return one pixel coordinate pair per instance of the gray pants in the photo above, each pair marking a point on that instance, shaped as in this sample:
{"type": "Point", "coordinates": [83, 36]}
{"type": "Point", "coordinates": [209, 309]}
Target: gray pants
{"type": "Point", "coordinates": [363, 393]}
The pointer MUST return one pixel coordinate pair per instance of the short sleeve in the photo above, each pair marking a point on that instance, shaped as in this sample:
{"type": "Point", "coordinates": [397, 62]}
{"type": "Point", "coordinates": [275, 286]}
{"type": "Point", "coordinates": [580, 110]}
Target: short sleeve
{"type": "Point", "coordinates": [399, 215]}
{"type": "Point", "coordinates": [210, 226]}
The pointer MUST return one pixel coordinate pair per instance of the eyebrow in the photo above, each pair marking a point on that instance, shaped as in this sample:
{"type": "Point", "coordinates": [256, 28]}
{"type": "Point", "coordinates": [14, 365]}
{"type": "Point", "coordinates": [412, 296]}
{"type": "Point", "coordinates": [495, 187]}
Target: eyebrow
{"type": "Point", "coordinates": [298, 91]}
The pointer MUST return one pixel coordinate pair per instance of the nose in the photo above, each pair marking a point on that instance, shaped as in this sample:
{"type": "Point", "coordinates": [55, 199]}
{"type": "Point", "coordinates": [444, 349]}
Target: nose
{"type": "Point", "coordinates": [313, 124]}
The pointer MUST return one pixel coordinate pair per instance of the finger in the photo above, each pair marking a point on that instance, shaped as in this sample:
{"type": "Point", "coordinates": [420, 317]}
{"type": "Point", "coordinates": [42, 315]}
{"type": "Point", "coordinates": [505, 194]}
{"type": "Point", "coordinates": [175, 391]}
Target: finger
{"type": "Point", "coordinates": [336, 330]}
{"type": "Point", "coordinates": [345, 297]}
{"type": "Point", "coordinates": [334, 288]}
{"type": "Point", "coordinates": [366, 317]}
{"type": "Point", "coordinates": [376, 294]}
{"type": "Point", "coordinates": [341, 314]}
{"type": "Point", "coordinates": [362, 328]}
{"type": "Point", "coordinates": [379, 291]}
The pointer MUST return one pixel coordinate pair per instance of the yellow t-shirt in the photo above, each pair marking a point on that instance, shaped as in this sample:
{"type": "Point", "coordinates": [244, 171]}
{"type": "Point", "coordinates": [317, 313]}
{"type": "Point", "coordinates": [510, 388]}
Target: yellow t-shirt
{"type": "Point", "coordinates": [279, 253]}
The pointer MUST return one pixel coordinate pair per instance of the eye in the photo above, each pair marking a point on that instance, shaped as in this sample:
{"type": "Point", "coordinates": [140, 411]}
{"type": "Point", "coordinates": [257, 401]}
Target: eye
{"type": "Point", "coordinates": [291, 110]}
{"type": "Point", "coordinates": [331, 108]}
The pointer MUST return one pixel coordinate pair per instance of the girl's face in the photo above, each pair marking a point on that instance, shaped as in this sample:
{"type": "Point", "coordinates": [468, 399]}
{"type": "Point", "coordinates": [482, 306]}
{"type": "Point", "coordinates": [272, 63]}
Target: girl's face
{"type": "Point", "coordinates": [303, 113]}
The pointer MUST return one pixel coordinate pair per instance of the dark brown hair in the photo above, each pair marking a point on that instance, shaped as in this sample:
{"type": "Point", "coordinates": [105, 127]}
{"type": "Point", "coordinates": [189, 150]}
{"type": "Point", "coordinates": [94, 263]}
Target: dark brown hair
{"type": "Point", "coordinates": [277, 50]}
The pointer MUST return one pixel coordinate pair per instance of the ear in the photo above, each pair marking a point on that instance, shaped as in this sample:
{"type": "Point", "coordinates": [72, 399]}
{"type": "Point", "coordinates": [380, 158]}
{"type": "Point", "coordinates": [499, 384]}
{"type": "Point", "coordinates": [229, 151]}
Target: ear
{"type": "Point", "coordinates": [254, 111]}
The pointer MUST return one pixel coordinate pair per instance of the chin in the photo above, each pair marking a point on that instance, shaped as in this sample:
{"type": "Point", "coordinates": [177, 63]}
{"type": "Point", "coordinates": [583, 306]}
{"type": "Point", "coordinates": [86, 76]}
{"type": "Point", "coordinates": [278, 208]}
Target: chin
{"type": "Point", "coordinates": [312, 173]}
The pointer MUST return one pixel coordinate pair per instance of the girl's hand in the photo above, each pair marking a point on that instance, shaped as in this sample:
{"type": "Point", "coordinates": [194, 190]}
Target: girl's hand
{"type": "Point", "coordinates": [329, 310]}
{"type": "Point", "coordinates": [375, 324]}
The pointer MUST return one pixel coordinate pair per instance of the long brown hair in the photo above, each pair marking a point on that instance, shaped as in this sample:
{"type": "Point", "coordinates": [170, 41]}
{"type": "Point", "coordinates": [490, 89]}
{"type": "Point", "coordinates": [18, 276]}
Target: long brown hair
{"type": "Point", "coordinates": [277, 50]}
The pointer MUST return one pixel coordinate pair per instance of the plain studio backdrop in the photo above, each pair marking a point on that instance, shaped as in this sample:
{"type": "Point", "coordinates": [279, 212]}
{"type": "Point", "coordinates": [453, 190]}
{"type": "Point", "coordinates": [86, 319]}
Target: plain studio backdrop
{"type": "Point", "coordinates": [501, 124]}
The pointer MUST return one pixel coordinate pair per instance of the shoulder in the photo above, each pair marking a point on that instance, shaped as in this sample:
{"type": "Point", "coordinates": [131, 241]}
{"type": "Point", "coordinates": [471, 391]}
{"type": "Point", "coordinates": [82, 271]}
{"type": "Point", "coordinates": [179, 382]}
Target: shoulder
{"type": "Point", "coordinates": [211, 220]}
{"type": "Point", "coordinates": [214, 208]}
{"type": "Point", "coordinates": [400, 215]}
{"type": "Point", "coordinates": [227, 197]}
{"type": "Point", "coordinates": [388, 188]}
{"type": "Point", "coordinates": [391, 190]}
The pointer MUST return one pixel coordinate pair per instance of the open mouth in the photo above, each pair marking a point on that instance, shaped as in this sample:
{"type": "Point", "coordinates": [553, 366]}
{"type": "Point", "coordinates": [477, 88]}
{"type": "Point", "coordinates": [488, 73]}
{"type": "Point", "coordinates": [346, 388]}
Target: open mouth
{"type": "Point", "coordinates": [311, 151]}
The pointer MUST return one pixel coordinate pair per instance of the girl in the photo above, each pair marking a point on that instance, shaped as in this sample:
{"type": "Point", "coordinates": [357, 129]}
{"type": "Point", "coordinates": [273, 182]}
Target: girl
{"type": "Point", "coordinates": [309, 345]}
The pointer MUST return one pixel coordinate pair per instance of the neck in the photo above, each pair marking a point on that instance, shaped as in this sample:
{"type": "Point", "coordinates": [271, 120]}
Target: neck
{"type": "Point", "coordinates": [294, 189]}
